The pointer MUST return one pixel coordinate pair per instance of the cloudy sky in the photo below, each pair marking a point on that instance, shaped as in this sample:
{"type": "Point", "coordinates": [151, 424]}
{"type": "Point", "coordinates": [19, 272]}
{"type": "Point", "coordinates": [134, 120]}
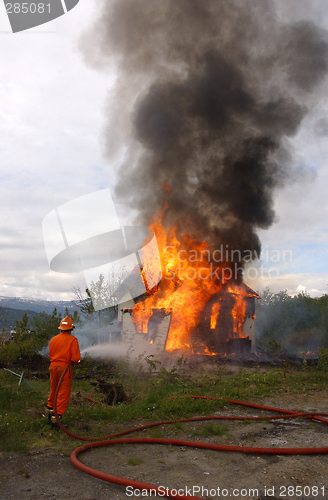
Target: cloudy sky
{"type": "Point", "coordinates": [52, 118]}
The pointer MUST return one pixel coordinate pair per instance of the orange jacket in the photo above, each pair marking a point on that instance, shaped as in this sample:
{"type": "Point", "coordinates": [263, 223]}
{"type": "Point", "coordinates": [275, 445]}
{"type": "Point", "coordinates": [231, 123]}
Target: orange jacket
{"type": "Point", "coordinates": [64, 348]}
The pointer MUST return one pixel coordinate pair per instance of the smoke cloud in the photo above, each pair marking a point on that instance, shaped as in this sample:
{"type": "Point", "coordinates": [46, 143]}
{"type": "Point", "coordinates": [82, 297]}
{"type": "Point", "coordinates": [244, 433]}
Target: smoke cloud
{"type": "Point", "coordinates": [207, 95]}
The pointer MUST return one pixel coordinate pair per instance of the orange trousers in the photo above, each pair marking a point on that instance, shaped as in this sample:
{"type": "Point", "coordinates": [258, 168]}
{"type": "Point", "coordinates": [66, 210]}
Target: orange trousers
{"type": "Point", "coordinates": [56, 370]}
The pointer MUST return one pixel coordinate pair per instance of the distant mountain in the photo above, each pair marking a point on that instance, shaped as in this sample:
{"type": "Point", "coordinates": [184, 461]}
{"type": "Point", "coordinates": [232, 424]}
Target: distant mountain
{"type": "Point", "coordinates": [9, 316]}
{"type": "Point", "coordinates": [35, 305]}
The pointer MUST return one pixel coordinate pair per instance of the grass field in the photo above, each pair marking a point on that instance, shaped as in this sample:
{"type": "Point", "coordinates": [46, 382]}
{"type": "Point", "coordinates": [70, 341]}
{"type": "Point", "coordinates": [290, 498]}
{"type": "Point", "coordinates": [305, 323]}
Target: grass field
{"type": "Point", "coordinates": [23, 423]}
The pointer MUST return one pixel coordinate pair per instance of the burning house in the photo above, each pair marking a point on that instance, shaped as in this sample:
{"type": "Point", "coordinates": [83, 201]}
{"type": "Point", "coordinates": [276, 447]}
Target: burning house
{"type": "Point", "coordinates": [153, 337]}
{"type": "Point", "coordinates": [225, 326]}
{"type": "Point", "coordinates": [207, 98]}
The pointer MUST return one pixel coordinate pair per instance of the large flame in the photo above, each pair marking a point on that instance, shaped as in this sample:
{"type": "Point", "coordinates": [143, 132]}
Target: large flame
{"type": "Point", "coordinates": [238, 309]}
{"type": "Point", "coordinates": [187, 284]}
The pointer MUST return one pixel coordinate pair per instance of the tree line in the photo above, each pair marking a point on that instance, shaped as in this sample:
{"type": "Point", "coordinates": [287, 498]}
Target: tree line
{"type": "Point", "coordinates": [295, 324]}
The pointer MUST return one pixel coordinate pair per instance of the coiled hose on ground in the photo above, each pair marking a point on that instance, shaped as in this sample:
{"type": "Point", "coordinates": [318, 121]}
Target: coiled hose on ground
{"type": "Point", "coordinates": [109, 441]}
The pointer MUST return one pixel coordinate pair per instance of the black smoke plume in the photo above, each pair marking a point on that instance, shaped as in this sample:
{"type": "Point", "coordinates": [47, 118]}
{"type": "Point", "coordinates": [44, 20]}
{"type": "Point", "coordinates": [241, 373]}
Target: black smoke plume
{"type": "Point", "coordinates": [208, 93]}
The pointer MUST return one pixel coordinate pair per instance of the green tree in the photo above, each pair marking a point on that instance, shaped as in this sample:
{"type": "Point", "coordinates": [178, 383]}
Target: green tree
{"type": "Point", "coordinates": [84, 304]}
{"type": "Point", "coordinates": [75, 316]}
{"type": "Point", "coordinates": [45, 326]}
{"type": "Point", "coordinates": [22, 327]}
{"type": "Point", "coordinates": [98, 305]}
{"type": "Point", "coordinates": [3, 318]}
{"type": "Point", "coordinates": [298, 323]}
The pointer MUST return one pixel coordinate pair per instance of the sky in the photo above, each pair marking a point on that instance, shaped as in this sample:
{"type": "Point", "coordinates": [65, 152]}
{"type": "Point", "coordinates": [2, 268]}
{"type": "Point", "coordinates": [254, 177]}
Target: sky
{"type": "Point", "coordinates": [53, 115]}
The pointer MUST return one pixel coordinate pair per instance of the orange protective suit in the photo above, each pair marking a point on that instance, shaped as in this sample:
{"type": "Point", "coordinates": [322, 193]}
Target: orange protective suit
{"type": "Point", "coordinates": [62, 349]}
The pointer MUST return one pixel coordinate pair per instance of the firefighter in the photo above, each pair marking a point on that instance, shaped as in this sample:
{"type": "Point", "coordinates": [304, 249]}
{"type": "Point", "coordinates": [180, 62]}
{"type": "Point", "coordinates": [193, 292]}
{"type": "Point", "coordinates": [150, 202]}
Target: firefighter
{"type": "Point", "coordinates": [63, 348]}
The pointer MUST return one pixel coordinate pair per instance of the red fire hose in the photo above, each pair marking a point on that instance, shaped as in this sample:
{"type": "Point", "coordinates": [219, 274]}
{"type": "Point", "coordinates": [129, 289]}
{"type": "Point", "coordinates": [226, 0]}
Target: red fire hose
{"type": "Point", "coordinates": [108, 441]}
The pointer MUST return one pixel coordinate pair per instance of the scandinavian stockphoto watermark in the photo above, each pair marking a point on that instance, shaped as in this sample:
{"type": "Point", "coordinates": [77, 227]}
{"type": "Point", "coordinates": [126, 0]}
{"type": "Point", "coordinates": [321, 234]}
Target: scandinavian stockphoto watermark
{"type": "Point", "coordinates": [118, 262]}
{"type": "Point", "coordinates": [224, 263]}
{"type": "Point", "coordinates": [26, 14]}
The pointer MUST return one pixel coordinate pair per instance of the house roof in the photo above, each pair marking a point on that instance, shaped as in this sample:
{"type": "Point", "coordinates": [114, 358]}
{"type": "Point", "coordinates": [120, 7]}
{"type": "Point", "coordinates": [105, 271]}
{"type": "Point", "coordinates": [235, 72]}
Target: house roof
{"type": "Point", "coordinates": [250, 292]}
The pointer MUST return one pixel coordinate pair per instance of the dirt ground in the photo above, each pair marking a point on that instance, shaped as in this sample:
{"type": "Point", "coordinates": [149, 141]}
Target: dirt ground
{"type": "Point", "coordinates": [45, 474]}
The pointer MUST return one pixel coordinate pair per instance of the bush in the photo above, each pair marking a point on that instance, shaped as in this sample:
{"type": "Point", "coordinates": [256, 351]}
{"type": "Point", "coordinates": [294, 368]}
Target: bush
{"type": "Point", "coordinates": [323, 359]}
{"type": "Point", "coordinates": [9, 353]}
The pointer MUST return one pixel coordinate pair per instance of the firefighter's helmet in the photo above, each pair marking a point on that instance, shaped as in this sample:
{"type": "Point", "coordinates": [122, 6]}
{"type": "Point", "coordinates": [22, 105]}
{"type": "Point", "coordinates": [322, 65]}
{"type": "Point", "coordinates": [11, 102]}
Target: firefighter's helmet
{"type": "Point", "coordinates": [66, 324]}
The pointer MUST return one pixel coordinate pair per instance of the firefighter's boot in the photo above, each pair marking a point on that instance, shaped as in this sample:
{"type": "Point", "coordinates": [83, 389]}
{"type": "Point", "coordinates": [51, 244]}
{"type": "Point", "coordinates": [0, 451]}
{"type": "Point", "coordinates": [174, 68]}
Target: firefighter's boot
{"type": "Point", "coordinates": [49, 413]}
{"type": "Point", "coordinates": [53, 422]}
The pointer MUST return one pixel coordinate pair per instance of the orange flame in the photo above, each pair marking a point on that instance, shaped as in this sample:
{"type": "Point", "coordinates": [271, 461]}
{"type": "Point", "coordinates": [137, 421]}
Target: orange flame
{"type": "Point", "coordinates": [186, 286]}
{"type": "Point", "coordinates": [238, 310]}
{"type": "Point", "coordinates": [214, 315]}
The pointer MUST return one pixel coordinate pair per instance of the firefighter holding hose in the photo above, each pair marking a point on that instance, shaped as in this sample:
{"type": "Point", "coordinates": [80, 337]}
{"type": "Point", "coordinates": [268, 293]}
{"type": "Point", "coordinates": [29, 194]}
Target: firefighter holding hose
{"type": "Point", "coordinates": [63, 348]}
